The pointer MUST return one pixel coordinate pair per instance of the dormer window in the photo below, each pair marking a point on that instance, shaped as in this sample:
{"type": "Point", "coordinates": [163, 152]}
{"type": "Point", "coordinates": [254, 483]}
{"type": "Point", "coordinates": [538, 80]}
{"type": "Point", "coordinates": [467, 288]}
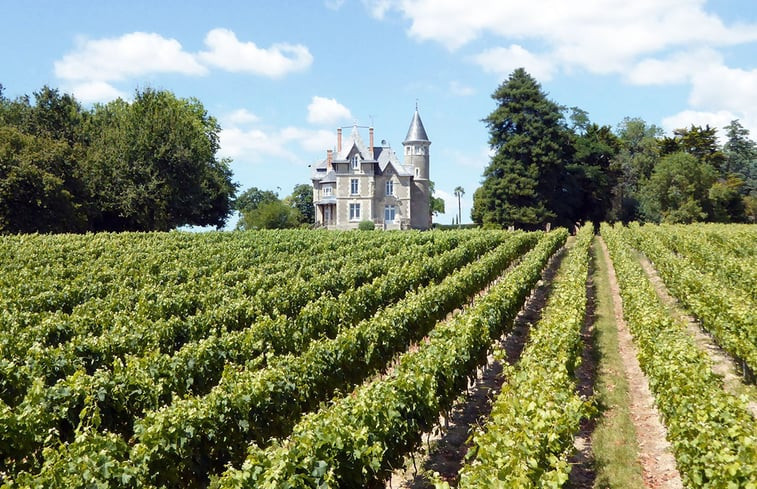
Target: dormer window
{"type": "Point", "coordinates": [356, 162]}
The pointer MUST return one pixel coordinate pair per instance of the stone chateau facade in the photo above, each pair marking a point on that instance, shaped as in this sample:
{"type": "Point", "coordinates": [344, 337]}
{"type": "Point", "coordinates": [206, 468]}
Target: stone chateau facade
{"type": "Point", "coordinates": [359, 182]}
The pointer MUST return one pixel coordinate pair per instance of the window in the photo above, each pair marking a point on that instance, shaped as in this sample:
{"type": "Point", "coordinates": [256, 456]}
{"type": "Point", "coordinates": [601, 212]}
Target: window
{"type": "Point", "coordinates": [356, 162]}
{"type": "Point", "coordinates": [389, 187]}
{"type": "Point", "coordinates": [407, 150]}
{"type": "Point", "coordinates": [354, 186]}
{"type": "Point", "coordinates": [327, 190]}
{"type": "Point", "coordinates": [417, 172]}
{"type": "Point", "coordinates": [389, 213]}
{"type": "Point", "coordinates": [354, 212]}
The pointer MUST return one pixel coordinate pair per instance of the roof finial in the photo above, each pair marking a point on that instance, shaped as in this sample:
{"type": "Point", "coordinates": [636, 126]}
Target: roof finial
{"type": "Point", "coordinates": [416, 105]}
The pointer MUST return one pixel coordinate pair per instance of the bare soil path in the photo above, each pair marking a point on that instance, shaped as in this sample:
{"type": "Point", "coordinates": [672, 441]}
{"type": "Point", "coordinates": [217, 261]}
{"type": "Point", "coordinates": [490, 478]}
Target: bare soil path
{"type": "Point", "coordinates": [658, 464]}
{"type": "Point", "coordinates": [722, 363]}
{"type": "Point", "coordinates": [583, 474]}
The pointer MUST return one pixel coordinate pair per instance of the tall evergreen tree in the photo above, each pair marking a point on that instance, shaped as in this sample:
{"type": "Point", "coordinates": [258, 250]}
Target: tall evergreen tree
{"type": "Point", "coordinates": [522, 185]}
{"type": "Point", "coordinates": [741, 156]}
{"type": "Point", "coordinates": [595, 172]}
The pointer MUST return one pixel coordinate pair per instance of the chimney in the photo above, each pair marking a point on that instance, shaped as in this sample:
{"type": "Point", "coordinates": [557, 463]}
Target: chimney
{"type": "Point", "coordinates": [339, 140]}
{"type": "Point", "coordinates": [329, 159]}
{"type": "Point", "coordinates": [370, 142]}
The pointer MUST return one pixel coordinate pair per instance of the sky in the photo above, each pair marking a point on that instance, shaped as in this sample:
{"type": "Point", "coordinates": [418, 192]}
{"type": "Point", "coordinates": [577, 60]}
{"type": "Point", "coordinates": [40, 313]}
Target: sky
{"type": "Point", "coordinates": [281, 76]}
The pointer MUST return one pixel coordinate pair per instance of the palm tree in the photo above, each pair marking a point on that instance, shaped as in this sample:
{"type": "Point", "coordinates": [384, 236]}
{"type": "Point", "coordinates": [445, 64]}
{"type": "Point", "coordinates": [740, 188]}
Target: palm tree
{"type": "Point", "coordinates": [459, 192]}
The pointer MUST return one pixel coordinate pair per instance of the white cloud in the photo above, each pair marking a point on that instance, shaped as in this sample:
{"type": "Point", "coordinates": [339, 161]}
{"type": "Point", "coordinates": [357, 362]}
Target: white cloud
{"type": "Point", "coordinates": [95, 65]}
{"type": "Point", "coordinates": [379, 8]}
{"type": "Point", "coordinates": [240, 117]}
{"type": "Point", "coordinates": [457, 88]}
{"type": "Point", "coordinates": [687, 118]}
{"type": "Point", "coordinates": [311, 140]}
{"type": "Point", "coordinates": [96, 91]}
{"type": "Point", "coordinates": [124, 57]}
{"type": "Point", "coordinates": [726, 88]}
{"type": "Point", "coordinates": [677, 68]}
{"type": "Point", "coordinates": [228, 53]}
{"type": "Point", "coordinates": [322, 110]}
{"type": "Point", "coordinates": [719, 95]}
{"type": "Point", "coordinates": [504, 60]}
{"type": "Point", "coordinates": [600, 36]}
{"type": "Point", "coordinates": [260, 144]}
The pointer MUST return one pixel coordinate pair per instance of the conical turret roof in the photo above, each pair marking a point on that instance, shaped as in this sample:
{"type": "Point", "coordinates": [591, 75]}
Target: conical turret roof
{"type": "Point", "coordinates": [416, 131]}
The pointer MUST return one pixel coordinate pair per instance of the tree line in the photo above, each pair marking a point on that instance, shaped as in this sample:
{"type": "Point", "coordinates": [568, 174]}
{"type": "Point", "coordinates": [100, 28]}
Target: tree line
{"type": "Point", "coordinates": [148, 164]}
{"type": "Point", "coordinates": [553, 165]}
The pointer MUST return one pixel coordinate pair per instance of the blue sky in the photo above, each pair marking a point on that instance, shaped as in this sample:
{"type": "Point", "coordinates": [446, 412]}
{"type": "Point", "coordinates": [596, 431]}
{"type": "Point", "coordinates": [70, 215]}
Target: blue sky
{"type": "Point", "coordinates": [281, 76]}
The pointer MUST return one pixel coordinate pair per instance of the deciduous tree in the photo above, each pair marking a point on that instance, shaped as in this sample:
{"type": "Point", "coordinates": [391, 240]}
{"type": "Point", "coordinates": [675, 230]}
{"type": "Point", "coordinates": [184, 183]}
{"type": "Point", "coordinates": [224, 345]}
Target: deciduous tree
{"type": "Point", "coordinates": [678, 190]}
{"type": "Point", "coordinates": [152, 164]}
{"type": "Point", "coordinates": [302, 200]}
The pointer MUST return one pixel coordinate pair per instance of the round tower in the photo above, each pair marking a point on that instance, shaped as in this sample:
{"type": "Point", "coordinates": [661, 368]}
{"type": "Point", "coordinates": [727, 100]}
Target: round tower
{"type": "Point", "coordinates": [416, 148]}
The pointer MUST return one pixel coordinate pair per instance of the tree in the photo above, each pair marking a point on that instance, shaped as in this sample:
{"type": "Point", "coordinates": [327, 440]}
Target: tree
{"type": "Point", "coordinates": [302, 200]}
{"type": "Point", "coordinates": [459, 192]}
{"type": "Point", "coordinates": [40, 178]}
{"type": "Point", "coordinates": [579, 120]}
{"type": "Point", "coordinates": [271, 215]}
{"type": "Point", "coordinates": [741, 156]}
{"type": "Point", "coordinates": [678, 190]}
{"type": "Point", "coordinates": [436, 204]}
{"type": "Point", "coordinates": [34, 196]}
{"type": "Point", "coordinates": [638, 154]}
{"type": "Point", "coordinates": [152, 165]}
{"type": "Point", "coordinates": [522, 184]}
{"type": "Point", "coordinates": [593, 173]}
{"type": "Point", "coordinates": [726, 200]}
{"type": "Point", "coordinates": [702, 143]}
{"type": "Point", "coordinates": [252, 198]}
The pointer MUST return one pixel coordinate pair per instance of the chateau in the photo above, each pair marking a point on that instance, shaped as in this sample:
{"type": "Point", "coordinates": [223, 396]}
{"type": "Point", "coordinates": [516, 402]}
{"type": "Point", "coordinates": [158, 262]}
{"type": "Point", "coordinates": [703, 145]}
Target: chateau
{"type": "Point", "coordinates": [359, 182]}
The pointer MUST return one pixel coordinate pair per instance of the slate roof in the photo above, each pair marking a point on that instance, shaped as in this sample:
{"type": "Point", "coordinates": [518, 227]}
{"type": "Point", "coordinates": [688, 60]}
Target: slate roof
{"type": "Point", "coordinates": [416, 132]}
{"type": "Point", "coordinates": [356, 140]}
{"type": "Point", "coordinates": [330, 177]}
{"type": "Point", "coordinates": [385, 156]}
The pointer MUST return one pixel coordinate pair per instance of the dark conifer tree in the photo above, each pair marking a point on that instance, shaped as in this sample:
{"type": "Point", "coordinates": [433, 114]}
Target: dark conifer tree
{"type": "Point", "coordinates": [524, 183]}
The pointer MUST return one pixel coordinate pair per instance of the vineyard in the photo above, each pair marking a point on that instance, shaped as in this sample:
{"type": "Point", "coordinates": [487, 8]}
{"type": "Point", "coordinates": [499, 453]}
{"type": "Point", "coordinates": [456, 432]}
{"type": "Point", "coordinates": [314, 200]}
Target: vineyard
{"type": "Point", "coordinates": [326, 359]}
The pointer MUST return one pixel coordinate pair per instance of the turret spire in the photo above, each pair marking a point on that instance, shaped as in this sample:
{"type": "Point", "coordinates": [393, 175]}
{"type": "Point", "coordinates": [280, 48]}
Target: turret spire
{"type": "Point", "coordinates": [416, 131]}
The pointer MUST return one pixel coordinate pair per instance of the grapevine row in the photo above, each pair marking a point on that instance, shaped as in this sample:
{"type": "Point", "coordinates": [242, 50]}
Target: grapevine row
{"type": "Point", "coordinates": [529, 435]}
{"type": "Point", "coordinates": [730, 270]}
{"type": "Point", "coordinates": [139, 337]}
{"type": "Point", "coordinates": [732, 322]}
{"type": "Point", "coordinates": [357, 440]}
{"type": "Point", "coordinates": [181, 444]}
{"type": "Point", "coordinates": [266, 290]}
{"type": "Point", "coordinates": [137, 385]}
{"type": "Point", "coordinates": [711, 432]}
